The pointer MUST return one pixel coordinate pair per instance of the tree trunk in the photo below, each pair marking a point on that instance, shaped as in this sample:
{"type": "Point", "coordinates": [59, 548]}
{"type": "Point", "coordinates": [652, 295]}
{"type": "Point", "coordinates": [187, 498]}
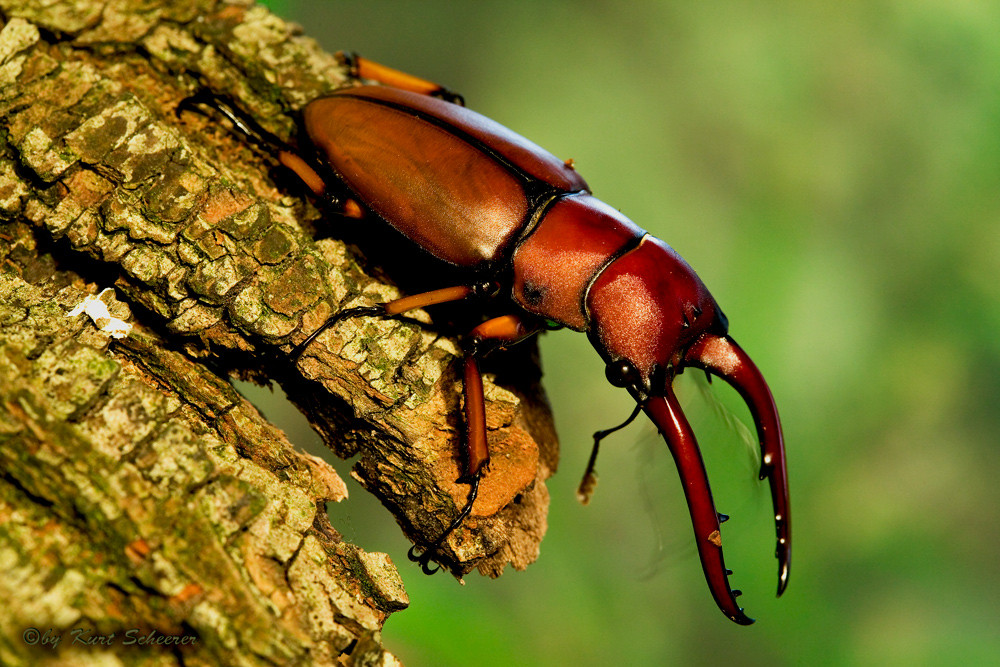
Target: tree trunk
{"type": "Point", "coordinates": [147, 511]}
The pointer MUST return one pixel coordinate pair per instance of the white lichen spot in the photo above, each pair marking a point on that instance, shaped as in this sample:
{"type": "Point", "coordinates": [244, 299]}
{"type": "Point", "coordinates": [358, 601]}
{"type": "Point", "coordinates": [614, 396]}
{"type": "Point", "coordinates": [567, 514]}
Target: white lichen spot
{"type": "Point", "coordinates": [97, 310]}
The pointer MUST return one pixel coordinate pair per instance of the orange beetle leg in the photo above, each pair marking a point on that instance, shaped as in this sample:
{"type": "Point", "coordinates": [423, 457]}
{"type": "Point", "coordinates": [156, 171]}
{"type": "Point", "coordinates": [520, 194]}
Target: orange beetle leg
{"type": "Point", "coordinates": [362, 68]}
{"type": "Point", "coordinates": [390, 309]}
{"type": "Point", "coordinates": [498, 332]}
{"type": "Point", "coordinates": [270, 143]}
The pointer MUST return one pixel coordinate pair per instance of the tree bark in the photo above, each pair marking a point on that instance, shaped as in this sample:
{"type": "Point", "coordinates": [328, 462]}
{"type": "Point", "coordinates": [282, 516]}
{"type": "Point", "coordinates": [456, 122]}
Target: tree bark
{"type": "Point", "coordinates": [145, 506]}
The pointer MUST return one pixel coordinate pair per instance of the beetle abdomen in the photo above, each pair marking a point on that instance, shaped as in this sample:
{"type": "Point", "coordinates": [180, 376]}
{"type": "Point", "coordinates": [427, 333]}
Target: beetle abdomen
{"type": "Point", "coordinates": [452, 181]}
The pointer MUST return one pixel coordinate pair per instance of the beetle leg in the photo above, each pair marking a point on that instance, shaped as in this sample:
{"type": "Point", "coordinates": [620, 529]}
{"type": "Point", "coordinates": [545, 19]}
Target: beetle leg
{"type": "Point", "coordinates": [362, 68]}
{"type": "Point", "coordinates": [424, 299]}
{"type": "Point", "coordinates": [360, 311]}
{"type": "Point", "coordinates": [496, 333]}
{"type": "Point", "coordinates": [270, 143]}
{"type": "Point", "coordinates": [423, 557]}
{"type": "Point", "coordinates": [389, 309]}
{"type": "Point", "coordinates": [477, 458]}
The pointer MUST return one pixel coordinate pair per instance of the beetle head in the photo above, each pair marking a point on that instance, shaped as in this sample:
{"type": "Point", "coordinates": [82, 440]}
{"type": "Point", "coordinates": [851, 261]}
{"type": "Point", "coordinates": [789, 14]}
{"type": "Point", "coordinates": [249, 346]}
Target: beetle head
{"type": "Point", "coordinates": [646, 308]}
{"type": "Point", "coordinates": [650, 317]}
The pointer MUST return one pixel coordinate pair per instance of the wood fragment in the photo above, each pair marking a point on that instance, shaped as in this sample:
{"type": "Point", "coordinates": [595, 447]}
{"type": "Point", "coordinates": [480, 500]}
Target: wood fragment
{"type": "Point", "coordinates": [138, 490]}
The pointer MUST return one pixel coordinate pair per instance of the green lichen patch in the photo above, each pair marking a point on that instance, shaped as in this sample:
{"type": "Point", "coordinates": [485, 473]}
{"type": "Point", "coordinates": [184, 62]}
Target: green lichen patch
{"type": "Point", "coordinates": [176, 191]}
{"type": "Point", "coordinates": [74, 376]}
{"type": "Point", "coordinates": [178, 455]}
{"type": "Point", "coordinates": [85, 189]}
{"type": "Point", "coordinates": [246, 308]}
{"type": "Point", "coordinates": [108, 130]}
{"type": "Point", "coordinates": [273, 326]}
{"type": "Point", "coordinates": [149, 265]}
{"type": "Point", "coordinates": [193, 317]}
{"type": "Point", "coordinates": [16, 36]}
{"type": "Point", "coordinates": [129, 417]}
{"type": "Point", "coordinates": [324, 601]}
{"type": "Point", "coordinates": [285, 294]}
{"type": "Point", "coordinates": [214, 280]}
{"type": "Point", "coordinates": [274, 246]}
{"type": "Point", "coordinates": [248, 223]}
{"type": "Point", "coordinates": [13, 191]}
{"type": "Point", "coordinates": [382, 581]}
{"type": "Point", "coordinates": [231, 503]}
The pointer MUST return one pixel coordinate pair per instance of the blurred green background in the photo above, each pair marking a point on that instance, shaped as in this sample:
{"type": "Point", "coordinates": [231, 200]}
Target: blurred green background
{"type": "Point", "coordinates": [832, 170]}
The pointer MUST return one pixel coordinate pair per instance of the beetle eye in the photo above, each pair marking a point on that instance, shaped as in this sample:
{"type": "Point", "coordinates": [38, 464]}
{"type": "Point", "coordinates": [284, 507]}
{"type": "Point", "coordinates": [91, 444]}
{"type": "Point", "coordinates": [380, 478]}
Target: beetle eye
{"type": "Point", "coordinates": [622, 373]}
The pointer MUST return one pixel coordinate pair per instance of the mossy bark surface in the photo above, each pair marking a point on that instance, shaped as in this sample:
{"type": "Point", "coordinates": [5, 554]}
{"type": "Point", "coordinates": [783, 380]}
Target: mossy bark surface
{"type": "Point", "coordinates": [139, 492]}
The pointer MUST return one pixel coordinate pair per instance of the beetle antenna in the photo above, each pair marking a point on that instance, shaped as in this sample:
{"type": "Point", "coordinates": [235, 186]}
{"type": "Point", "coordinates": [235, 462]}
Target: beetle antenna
{"type": "Point", "coordinates": [589, 480]}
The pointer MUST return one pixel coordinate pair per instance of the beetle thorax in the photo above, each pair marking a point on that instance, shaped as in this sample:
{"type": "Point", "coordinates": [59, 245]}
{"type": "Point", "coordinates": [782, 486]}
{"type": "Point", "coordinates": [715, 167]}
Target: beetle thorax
{"type": "Point", "coordinates": [571, 244]}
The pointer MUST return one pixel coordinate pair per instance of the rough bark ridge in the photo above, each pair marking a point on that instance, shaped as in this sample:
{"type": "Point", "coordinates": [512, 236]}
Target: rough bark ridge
{"type": "Point", "coordinates": [138, 490]}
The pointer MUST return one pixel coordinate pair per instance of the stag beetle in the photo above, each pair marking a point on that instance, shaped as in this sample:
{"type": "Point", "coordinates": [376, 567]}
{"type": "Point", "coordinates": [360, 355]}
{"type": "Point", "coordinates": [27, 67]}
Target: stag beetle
{"type": "Point", "coordinates": [475, 195]}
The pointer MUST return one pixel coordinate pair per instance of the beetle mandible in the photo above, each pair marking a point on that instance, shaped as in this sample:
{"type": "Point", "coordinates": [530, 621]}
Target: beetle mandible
{"type": "Point", "coordinates": [476, 195]}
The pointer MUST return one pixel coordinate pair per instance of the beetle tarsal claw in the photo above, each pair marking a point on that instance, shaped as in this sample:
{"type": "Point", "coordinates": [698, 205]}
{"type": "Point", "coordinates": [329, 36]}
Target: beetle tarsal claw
{"type": "Point", "coordinates": [423, 558]}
